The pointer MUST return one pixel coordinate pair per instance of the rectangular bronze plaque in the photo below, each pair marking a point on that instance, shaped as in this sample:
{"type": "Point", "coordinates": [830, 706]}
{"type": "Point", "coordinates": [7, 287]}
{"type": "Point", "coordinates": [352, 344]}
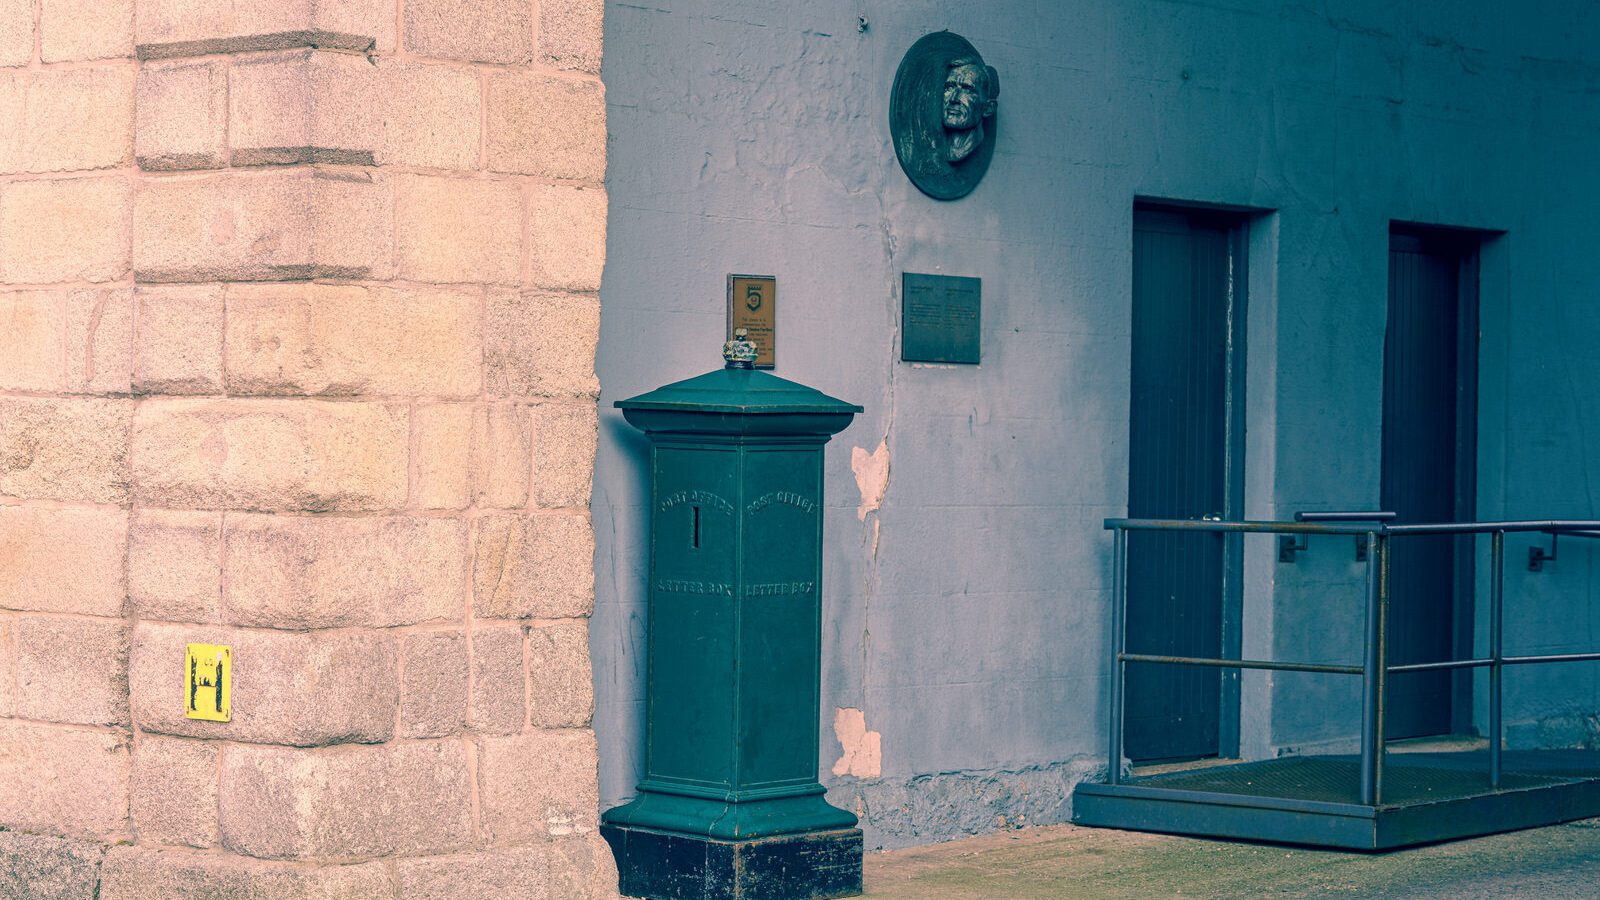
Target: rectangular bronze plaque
{"type": "Point", "coordinates": [939, 318]}
{"type": "Point", "coordinates": [753, 306]}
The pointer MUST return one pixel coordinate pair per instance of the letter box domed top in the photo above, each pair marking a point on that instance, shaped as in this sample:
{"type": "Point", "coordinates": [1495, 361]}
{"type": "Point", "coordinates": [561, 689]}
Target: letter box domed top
{"type": "Point", "coordinates": [738, 400]}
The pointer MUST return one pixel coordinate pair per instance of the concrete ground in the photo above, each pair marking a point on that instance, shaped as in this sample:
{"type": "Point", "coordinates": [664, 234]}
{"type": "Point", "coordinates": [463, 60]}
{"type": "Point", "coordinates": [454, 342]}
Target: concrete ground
{"type": "Point", "coordinates": [1068, 861]}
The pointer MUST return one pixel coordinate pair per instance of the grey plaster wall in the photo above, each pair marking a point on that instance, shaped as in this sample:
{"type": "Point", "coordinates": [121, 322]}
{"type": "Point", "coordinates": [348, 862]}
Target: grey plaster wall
{"type": "Point", "coordinates": [966, 613]}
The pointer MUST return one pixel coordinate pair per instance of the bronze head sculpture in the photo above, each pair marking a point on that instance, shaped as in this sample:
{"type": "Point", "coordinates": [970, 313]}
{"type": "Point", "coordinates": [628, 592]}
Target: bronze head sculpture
{"type": "Point", "coordinates": [943, 115]}
{"type": "Point", "coordinates": [971, 90]}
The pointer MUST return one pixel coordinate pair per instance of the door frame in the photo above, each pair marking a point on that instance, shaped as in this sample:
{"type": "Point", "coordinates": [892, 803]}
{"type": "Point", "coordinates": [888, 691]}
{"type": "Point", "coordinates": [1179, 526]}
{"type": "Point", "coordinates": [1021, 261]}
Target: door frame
{"type": "Point", "coordinates": [1236, 220]}
{"type": "Point", "coordinates": [1466, 245]}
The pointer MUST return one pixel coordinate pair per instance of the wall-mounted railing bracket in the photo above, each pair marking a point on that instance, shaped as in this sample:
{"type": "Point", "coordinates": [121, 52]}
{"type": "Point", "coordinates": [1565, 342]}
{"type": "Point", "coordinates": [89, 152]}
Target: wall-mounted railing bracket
{"type": "Point", "coordinates": [1537, 556]}
{"type": "Point", "coordinates": [1290, 544]}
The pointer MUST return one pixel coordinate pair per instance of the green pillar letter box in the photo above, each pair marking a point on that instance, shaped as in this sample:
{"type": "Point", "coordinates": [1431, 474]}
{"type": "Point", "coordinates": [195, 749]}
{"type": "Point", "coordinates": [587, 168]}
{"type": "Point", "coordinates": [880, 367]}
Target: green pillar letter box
{"type": "Point", "coordinates": [730, 806]}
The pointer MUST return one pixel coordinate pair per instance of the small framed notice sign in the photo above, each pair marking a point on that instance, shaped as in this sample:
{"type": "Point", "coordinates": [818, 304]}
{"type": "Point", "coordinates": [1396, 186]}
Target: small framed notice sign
{"type": "Point", "coordinates": [940, 317]}
{"type": "Point", "coordinates": [753, 306]}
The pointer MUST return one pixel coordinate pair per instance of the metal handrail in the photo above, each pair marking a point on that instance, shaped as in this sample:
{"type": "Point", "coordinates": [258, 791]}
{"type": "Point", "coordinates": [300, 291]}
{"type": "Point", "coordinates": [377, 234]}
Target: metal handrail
{"type": "Point", "coordinates": [1366, 516]}
{"type": "Point", "coordinates": [1246, 526]}
{"type": "Point", "coordinates": [1377, 529]}
{"type": "Point", "coordinates": [1548, 526]}
{"type": "Point", "coordinates": [1564, 527]}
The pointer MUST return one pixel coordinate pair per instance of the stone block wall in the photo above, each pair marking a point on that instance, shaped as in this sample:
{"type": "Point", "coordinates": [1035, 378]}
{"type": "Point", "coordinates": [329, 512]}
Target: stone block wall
{"type": "Point", "coordinates": [298, 311]}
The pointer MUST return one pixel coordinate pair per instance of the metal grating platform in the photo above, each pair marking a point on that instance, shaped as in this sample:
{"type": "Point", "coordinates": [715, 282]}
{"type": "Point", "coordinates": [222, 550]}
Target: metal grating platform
{"type": "Point", "coordinates": [1427, 797]}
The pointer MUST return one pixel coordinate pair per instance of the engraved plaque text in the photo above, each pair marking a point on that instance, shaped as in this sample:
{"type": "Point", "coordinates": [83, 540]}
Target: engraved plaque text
{"type": "Point", "coordinates": [939, 319]}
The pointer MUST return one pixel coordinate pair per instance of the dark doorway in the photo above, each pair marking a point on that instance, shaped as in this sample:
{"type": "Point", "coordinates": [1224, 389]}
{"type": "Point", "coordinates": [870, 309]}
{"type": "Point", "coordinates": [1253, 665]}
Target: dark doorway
{"type": "Point", "coordinates": [1429, 465]}
{"type": "Point", "coordinates": [1184, 463]}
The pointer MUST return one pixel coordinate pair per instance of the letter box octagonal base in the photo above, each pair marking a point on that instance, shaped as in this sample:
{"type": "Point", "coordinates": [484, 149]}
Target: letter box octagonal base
{"type": "Point", "coordinates": [668, 866]}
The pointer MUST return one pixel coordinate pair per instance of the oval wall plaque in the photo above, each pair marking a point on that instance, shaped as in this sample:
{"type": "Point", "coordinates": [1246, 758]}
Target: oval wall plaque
{"type": "Point", "coordinates": [943, 115]}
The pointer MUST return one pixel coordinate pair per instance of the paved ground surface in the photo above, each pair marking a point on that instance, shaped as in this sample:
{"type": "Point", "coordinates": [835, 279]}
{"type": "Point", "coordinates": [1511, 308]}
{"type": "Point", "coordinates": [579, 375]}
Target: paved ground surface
{"type": "Point", "coordinates": [1066, 861]}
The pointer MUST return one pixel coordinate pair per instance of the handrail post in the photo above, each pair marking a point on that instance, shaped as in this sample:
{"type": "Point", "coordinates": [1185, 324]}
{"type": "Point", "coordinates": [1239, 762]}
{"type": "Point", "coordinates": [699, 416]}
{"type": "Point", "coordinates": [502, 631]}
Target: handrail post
{"type": "Point", "coordinates": [1119, 611]}
{"type": "Point", "coordinates": [1383, 669]}
{"type": "Point", "coordinates": [1375, 676]}
{"type": "Point", "coordinates": [1497, 587]}
{"type": "Point", "coordinates": [1371, 680]}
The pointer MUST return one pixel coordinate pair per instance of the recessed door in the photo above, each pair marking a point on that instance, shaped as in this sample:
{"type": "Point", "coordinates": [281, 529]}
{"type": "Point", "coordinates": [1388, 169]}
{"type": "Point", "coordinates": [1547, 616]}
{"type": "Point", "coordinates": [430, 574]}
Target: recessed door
{"type": "Point", "coordinates": [1187, 274]}
{"type": "Point", "coordinates": [1429, 425]}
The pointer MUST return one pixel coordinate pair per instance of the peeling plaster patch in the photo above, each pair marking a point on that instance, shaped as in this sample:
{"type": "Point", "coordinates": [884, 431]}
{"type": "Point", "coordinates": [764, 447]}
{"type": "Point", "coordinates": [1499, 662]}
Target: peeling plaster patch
{"type": "Point", "coordinates": [872, 476]}
{"type": "Point", "coordinates": [863, 749]}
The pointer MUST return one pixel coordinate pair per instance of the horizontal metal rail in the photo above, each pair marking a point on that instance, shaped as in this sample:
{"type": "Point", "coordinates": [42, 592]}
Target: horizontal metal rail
{"type": "Point", "coordinates": [1549, 526]}
{"type": "Point", "coordinates": [1444, 664]}
{"type": "Point", "coordinates": [1504, 661]}
{"type": "Point", "coordinates": [1247, 527]}
{"type": "Point", "coordinates": [1376, 528]}
{"type": "Point", "coordinates": [1551, 658]}
{"type": "Point", "coordinates": [1346, 516]}
{"type": "Point", "coordinates": [1578, 527]}
{"type": "Point", "coordinates": [1323, 668]}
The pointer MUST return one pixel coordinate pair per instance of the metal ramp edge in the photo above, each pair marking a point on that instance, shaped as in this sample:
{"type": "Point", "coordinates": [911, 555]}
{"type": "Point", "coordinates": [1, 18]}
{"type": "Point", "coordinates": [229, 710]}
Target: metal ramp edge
{"type": "Point", "coordinates": [1164, 804]}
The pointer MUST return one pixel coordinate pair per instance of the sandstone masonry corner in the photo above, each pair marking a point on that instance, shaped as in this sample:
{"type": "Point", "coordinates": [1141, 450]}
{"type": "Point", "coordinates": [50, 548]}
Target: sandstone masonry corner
{"type": "Point", "coordinates": [298, 315]}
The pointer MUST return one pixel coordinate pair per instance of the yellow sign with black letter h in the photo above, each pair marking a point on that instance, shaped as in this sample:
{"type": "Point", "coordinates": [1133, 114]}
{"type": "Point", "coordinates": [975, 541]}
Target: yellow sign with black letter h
{"type": "Point", "coordinates": [208, 682]}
